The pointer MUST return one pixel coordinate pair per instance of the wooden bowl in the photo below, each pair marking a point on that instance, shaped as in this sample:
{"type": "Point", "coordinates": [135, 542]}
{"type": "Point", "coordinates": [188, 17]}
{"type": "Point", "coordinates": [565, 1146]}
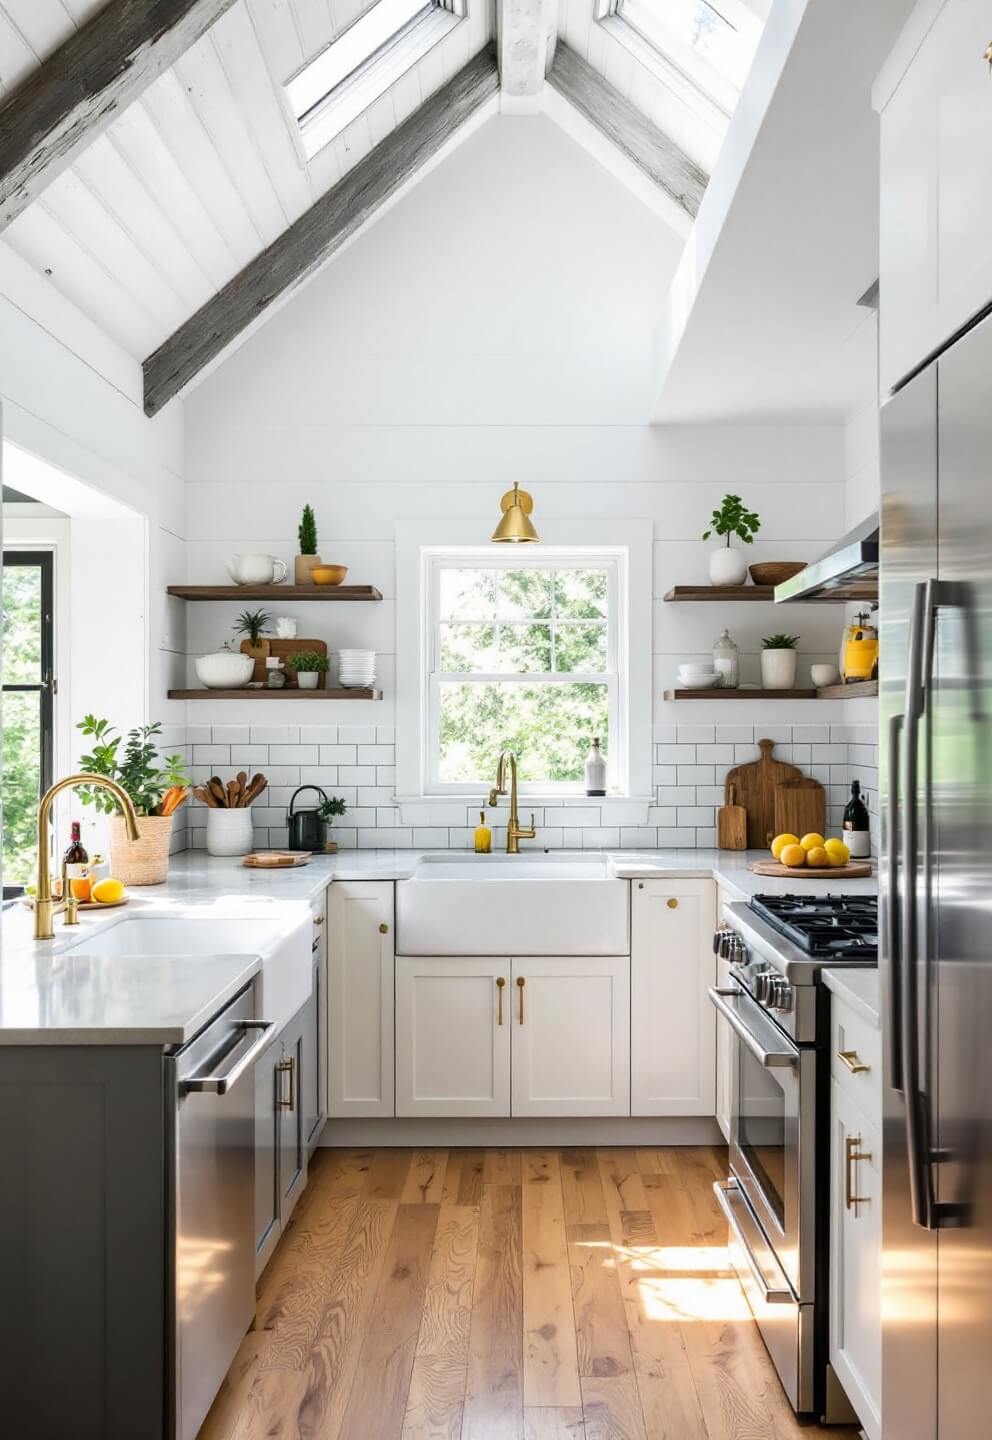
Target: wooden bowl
{"type": "Point", "coordinates": [775, 572]}
{"type": "Point", "coordinates": [328, 574]}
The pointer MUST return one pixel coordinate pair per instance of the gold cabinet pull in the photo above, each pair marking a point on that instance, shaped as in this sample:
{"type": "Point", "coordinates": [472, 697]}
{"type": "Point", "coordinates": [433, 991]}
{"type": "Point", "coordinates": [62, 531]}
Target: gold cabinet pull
{"type": "Point", "coordinates": [853, 1061]}
{"type": "Point", "coordinates": [672, 903]}
{"type": "Point", "coordinates": [852, 1154]}
{"type": "Point", "coordinates": [287, 1067]}
{"type": "Point", "coordinates": [383, 928]}
{"type": "Point", "coordinates": [500, 982]}
{"type": "Point", "coordinates": [521, 982]}
{"type": "Point", "coordinates": [318, 919]}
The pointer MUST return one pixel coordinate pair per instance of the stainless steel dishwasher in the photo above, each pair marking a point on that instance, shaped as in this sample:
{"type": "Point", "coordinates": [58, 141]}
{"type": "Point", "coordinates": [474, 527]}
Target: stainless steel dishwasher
{"type": "Point", "coordinates": [211, 1265]}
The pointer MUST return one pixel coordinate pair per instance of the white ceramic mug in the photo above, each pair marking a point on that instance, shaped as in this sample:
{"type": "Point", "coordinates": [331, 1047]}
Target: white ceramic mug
{"type": "Point", "coordinates": [285, 627]}
{"type": "Point", "coordinates": [256, 570]}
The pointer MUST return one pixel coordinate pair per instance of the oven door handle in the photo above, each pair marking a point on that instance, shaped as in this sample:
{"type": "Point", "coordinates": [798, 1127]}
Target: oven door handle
{"type": "Point", "coordinates": [771, 1059]}
{"type": "Point", "coordinates": [772, 1294]}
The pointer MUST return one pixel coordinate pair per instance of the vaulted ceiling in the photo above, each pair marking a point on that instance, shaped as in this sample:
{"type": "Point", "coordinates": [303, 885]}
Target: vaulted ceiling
{"type": "Point", "coordinates": [183, 190]}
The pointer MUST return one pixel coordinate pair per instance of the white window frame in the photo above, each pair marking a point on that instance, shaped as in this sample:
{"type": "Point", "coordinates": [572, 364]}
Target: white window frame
{"type": "Point", "coordinates": [624, 548]}
{"type": "Point", "coordinates": [323, 121]}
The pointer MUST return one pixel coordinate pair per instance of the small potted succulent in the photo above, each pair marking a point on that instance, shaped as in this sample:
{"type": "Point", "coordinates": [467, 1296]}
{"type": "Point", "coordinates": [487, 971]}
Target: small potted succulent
{"type": "Point", "coordinates": [157, 785]}
{"type": "Point", "coordinates": [310, 668]}
{"type": "Point", "coordinates": [327, 811]}
{"type": "Point", "coordinates": [778, 662]}
{"type": "Point", "coordinates": [253, 624]}
{"type": "Point", "coordinates": [727, 564]}
{"type": "Point", "coordinates": [308, 557]}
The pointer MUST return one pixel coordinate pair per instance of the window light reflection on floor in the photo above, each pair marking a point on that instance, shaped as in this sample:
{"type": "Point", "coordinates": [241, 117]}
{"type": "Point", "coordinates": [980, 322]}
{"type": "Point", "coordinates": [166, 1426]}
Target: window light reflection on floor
{"type": "Point", "coordinates": [680, 1283]}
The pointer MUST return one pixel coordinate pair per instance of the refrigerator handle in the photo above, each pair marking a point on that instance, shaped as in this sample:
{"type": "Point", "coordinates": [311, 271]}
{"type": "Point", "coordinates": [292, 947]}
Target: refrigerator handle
{"type": "Point", "coordinates": [920, 655]}
{"type": "Point", "coordinates": [893, 917]}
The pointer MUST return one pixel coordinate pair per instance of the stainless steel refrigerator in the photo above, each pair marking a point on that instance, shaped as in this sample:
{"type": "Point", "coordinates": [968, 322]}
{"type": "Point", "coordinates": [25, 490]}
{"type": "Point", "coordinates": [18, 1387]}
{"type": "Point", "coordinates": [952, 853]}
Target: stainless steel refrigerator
{"type": "Point", "coordinates": [936, 895]}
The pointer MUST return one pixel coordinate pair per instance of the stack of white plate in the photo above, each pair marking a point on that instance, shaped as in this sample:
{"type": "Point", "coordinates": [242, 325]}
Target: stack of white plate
{"type": "Point", "coordinates": [694, 675]}
{"type": "Point", "coordinates": [356, 668]}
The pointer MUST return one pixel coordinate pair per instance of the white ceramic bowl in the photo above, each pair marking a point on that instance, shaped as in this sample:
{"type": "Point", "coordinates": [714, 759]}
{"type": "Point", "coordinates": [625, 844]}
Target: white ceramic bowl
{"type": "Point", "coordinates": [697, 667]}
{"type": "Point", "coordinates": [224, 670]}
{"type": "Point", "coordinates": [690, 677]}
{"type": "Point", "coordinates": [824, 675]}
{"type": "Point", "coordinates": [700, 682]}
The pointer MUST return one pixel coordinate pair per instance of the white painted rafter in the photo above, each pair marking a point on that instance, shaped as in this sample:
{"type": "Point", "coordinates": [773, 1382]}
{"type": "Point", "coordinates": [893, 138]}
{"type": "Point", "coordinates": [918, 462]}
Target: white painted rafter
{"type": "Point", "coordinates": [526, 34]}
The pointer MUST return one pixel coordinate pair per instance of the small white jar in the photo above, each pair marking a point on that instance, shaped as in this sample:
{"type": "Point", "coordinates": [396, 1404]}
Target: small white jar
{"type": "Point", "coordinates": [230, 832]}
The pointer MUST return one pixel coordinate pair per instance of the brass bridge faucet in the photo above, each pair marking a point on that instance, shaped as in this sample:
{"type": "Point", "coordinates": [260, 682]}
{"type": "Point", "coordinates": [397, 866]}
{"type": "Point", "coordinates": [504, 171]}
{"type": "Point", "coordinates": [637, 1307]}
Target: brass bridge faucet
{"type": "Point", "coordinates": [45, 908]}
{"type": "Point", "coordinates": [514, 831]}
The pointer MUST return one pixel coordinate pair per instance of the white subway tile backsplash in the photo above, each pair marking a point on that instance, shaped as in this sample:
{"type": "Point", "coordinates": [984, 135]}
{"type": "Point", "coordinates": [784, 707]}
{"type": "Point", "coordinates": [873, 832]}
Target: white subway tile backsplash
{"type": "Point", "coordinates": [676, 839]}
{"type": "Point", "coordinates": [230, 734]}
{"type": "Point", "coordinates": [318, 734]}
{"type": "Point", "coordinates": [385, 775]}
{"type": "Point", "coordinates": [211, 754]}
{"type": "Point", "coordinates": [811, 734]}
{"type": "Point", "coordinates": [430, 838]}
{"type": "Point", "coordinates": [293, 754]}
{"type": "Point", "coordinates": [374, 794]}
{"type": "Point", "coordinates": [664, 734]}
{"type": "Point", "coordinates": [338, 754]}
{"type": "Point", "coordinates": [662, 815]}
{"type": "Point", "coordinates": [696, 775]}
{"type": "Point", "coordinates": [677, 795]}
{"type": "Point", "coordinates": [250, 755]}
{"type": "Point", "coordinates": [385, 734]}
{"type": "Point", "coordinates": [568, 814]}
{"type": "Point", "coordinates": [638, 837]}
{"type": "Point", "coordinates": [695, 815]}
{"type": "Point", "coordinates": [829, 754]}
{"type": "Point", "coordinates": [707, 754]}
{"type": "Point", "coordinates": [356, 734]}
{"type": "Point", "coordinates": [275, 734]}
{"type": "Point", "coordinates": [356, 774]}
{"type": "Point", "coordinates": [696, 734]}
{"type": "Point", "coordinates": [735, 734]}
{"type": "Point", "coordinates": [663, 775]}
{"type": "Point", "coordinates": [601, 837]}
{"type": "Point", "coordinates": [198, 734]}
{"type": "Point", "coordinates": [375, 754]}
{"type": "Point", "coordinates": [675, 754]}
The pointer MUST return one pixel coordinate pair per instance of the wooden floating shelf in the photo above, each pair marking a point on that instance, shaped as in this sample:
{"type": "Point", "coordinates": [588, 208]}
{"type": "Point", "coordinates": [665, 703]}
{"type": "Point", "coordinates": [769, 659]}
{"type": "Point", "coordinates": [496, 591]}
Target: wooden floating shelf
{"type": "Point", "coordinates": [721, 592]}
{"type": "Point", "coordinates": [852, 691]}
{"type": "Point", "coordinates": [716, 693]}
{"type": "Point", "coordinates": [274, 592]}
{"type": "Point", "coordinates": [265, 694]}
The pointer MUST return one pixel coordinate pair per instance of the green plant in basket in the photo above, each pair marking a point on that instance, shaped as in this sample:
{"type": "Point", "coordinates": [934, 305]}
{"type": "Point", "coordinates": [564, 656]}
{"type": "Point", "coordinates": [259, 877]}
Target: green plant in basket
{"type": "Point", "coordinates": [133, 761]}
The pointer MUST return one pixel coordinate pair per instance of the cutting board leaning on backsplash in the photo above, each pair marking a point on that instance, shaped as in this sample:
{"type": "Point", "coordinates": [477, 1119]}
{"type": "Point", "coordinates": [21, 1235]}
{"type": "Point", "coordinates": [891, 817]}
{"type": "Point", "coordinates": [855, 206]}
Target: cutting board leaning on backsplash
{"type": "Point", "coordinates": [754, 787]}
{"type": "Point", "coordinates": [800, 807]}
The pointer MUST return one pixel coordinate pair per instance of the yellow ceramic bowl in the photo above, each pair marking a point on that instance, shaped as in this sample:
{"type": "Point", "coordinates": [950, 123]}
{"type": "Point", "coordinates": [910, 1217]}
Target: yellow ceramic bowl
{"type": "Point", "coordinates": [328, 574]}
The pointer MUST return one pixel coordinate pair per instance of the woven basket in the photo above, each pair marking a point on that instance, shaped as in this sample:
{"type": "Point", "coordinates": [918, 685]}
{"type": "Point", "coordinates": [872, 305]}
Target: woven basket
{"type": "Point", "coordinates": [144, 861]}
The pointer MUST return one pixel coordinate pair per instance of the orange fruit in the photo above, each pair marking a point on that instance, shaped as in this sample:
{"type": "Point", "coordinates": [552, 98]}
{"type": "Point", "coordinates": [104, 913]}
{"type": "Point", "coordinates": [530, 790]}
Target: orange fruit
{"type": "Point", "coordinates": [80, 886]}
{"type": "Point", "coordinates": [812, 841]}
{"type": "Point", "coordinates": [780, 842]}
{"type": "Point", "coordinates": [794, 856]}
{"type": "Point", "coordinates": [818, 858]}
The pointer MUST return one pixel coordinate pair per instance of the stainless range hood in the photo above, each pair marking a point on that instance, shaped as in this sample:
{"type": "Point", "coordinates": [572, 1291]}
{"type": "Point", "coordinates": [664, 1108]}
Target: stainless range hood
{"type": "Point", "coordinates": [848, 571]}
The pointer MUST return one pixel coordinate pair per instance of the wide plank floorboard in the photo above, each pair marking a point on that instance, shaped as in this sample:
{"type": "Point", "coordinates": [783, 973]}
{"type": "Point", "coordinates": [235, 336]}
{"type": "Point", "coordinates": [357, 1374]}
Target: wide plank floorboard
{"type": "Point", "coordinates": [577, 1294]}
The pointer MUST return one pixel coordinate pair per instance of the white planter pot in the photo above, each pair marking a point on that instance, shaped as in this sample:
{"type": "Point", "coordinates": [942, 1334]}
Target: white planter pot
{"type": "Point", "coordinates": [230, 832]}
{"type": "Point", "coordinates": [308, 679]}
{"type": "Point", "coordinates": [778, 669]}
{"type": "Point", "coordinates": [728, 566]}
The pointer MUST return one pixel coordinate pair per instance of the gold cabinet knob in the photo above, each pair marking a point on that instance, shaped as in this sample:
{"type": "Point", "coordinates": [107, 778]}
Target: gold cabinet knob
{"type": "Point", "coordinates": [672, 903]}
{"type": "Point", "coordinates": [383, 928]}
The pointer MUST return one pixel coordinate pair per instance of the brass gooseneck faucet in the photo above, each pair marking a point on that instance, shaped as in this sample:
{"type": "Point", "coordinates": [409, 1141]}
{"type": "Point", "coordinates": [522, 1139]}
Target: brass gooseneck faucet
{"type": "Point", "coordinates": [45, 908]}
{"type": "Point", "coordinates": [514, 831]}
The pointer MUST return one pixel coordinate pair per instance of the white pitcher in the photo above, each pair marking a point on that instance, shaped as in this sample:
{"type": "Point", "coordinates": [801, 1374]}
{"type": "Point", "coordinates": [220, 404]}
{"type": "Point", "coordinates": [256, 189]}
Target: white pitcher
{"type": "Point", "coordinates": [256, 570]}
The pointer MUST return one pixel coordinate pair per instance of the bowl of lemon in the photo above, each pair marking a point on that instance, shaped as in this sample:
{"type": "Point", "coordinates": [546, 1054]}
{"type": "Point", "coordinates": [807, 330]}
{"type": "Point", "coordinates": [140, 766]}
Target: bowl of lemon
{"type": "Point", "coordinates": [812, 854]}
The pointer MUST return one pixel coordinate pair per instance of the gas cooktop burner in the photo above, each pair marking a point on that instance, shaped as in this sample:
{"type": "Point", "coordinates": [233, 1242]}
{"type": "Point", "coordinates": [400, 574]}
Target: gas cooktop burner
{"type": "Point", "coordinates": [837, 926]}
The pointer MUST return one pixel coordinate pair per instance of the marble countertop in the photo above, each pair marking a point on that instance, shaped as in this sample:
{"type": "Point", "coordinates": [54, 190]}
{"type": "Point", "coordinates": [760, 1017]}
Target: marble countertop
{"type": "Point", "coordinates": [859, 989]}
{"type": "Point", "coordinates": [48, 996]}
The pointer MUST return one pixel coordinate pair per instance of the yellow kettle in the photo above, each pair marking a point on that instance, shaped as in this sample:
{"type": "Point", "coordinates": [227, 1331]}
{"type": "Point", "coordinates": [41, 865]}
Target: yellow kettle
{"type": "Point", "coordinates": [859, 650]}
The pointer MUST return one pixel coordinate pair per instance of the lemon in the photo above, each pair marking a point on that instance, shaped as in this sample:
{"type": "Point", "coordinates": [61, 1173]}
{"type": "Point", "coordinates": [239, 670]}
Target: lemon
{"type": "Point", "coordinates": [780, 842]}
{"type": "Point", "coordinates": [108, 892]}
{"type": "Point", "coordinates": [812, 841]}
{"type": "Point", "coordinates": [838, 852]}
{"type": "Point", "coordinates": [818, 858]}
{"type": "Point", "coordinates": [794, 856]}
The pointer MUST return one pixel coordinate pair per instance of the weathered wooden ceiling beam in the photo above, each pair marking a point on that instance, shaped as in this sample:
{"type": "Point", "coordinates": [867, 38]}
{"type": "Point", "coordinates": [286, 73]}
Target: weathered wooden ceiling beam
{"type": "Point", "coordinates": [631, 131]}
{"type": "Point", "coordinates": [321, 230]}
{"type": "Point", "coordinates": [526, 33]}
{"type": "Point", "coordinates": [77, 91]}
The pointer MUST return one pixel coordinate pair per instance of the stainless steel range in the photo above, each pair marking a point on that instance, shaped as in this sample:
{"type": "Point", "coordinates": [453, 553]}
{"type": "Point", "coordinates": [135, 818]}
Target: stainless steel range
{"type": "Point", "coordinates": [775, 1205]}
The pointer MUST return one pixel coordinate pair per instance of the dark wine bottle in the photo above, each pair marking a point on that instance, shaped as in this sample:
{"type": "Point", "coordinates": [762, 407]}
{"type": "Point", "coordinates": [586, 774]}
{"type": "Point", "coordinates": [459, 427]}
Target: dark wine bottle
{"type": "Point", "coordinates": [857, 826]}
{"type": "Point", "coordinates": [76, 856]}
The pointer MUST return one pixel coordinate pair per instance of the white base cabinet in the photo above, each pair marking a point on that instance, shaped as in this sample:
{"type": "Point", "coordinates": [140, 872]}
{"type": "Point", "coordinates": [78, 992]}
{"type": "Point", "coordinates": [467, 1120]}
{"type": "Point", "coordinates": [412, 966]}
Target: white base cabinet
{"type": "Point", "coordinates": [360, 981]}
{"type": "Point", "coordinates": [673, 1022]}
{"type": "Point", "coordinates": [552, 1039]}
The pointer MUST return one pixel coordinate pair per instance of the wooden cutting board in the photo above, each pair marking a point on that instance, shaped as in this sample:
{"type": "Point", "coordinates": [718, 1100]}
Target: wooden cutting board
{"type": "Point", "coordinates": [731, 824]}
{"type": "Point", "coordinates": [284, 648]}
{"type": "Point", "coordinates": [754, 785]}
{"type": "Point", "coordinates": [276, 859]}
{"type": "Point", "coordinates": [857, 869]}
{"type": "Point", "coordinates": [800, 807]}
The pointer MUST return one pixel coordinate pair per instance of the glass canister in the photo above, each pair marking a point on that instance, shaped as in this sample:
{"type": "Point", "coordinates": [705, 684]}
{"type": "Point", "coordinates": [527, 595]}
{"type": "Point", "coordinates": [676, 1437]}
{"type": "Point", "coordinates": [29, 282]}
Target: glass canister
{"type": "Point", "coordinates": [726, 662]}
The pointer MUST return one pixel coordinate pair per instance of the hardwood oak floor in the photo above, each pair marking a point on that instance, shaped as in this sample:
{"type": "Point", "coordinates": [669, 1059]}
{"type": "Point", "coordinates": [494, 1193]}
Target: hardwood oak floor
{"type": "Point", "coordinates": [505, 1295]}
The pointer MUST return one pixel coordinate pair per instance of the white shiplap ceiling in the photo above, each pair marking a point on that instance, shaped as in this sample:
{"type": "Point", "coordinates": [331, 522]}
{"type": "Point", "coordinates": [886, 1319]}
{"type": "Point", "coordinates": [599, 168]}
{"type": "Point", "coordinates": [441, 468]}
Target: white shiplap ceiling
{"type": "Point", "coordinates": [205, 170]}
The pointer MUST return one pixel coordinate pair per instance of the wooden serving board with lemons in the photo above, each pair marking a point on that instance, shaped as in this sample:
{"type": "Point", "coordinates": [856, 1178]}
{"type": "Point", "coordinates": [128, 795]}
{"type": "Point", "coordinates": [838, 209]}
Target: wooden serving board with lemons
{"type": "Point", "coordinates": [812, 857]}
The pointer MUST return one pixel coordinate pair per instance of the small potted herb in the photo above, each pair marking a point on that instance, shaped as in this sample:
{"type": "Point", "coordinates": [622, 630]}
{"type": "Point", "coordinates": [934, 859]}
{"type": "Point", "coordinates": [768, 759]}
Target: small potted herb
{"type": "Point", "coordinates": [727, 564]}
{"type": "Point", "coordinates": [327, 810]}
{"type": "Point", "coordinates": [778, 662]}
{"type": "Point", "coordinates": [157, 785]}
{"type": "Point", "coordinates": [310, 667]}
{"type": "Point", "coordinates": [308, 557]}
{"type": "Point", "coordinates": [253, 624]}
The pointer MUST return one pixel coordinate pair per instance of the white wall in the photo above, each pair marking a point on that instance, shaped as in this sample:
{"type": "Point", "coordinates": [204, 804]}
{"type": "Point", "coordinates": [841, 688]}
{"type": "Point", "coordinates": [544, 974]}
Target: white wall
{"type": "Point", "coordinates": [496, 325]}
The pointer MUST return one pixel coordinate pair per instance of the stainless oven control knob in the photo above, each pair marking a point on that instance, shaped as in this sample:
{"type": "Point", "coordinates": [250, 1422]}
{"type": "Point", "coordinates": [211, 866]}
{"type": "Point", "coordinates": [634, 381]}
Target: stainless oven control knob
{"type": "Point", "coordinates": [719, 940]}
{"type": "Point", "coordinates": [779, 993]}
{"type": "Point", "coordinates": [734, 949]}
{"type": "Point", "coordinates": [762, 987]}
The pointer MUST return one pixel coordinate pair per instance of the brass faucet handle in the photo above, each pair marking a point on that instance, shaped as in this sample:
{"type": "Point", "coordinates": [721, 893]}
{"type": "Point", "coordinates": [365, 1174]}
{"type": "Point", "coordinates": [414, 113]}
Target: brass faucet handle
{"type": "Point", "coordinates": [69, 902]}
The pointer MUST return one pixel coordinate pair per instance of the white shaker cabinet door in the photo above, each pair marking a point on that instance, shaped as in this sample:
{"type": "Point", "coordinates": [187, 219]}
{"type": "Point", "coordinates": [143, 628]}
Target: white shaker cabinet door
{"type": "Point", "coordinates": [673, 1022]}
{"type": "Point", "coordinates": [935, 244]}
{"type": "Point", "coordinates": [452, 1035]}
{"type": "Point", "coordinates": [571, 1035]}
{"type": "Point", "coordinates": [856, 1258]}
{"type": "Point", "coordinates": [360, 964]}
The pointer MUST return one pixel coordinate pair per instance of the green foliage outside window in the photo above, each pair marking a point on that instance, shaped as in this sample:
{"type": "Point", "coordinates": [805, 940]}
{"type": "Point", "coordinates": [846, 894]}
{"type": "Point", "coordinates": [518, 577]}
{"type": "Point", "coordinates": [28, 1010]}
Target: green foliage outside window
{"type": "Point", "coordinates": [21, 721]}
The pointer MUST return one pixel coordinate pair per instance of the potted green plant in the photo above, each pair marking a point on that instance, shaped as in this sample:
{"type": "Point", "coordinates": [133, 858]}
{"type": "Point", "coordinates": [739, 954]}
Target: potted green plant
{"type": "Point", "coordinates": [327, 810]}
{"type": "Point", "coordinates": [308, 557]}
{"type": "Point", "coordinates": [157, 784]}
{"type": "Point", "coordinates": [310, 667]}
{"type": "Point", "coordinates": [253, 624]}
{"type": "Point", "coordinates": [727, 564]}
{"type": "Point", "coordinates": [778, 662]}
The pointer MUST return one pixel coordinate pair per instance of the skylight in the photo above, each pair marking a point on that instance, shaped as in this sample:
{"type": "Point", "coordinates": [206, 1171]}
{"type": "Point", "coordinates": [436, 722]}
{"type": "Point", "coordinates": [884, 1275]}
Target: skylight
{"type": "Point", "coordinates": [363, 62]}
{"type": "Point", "coordinates": [710, 44]}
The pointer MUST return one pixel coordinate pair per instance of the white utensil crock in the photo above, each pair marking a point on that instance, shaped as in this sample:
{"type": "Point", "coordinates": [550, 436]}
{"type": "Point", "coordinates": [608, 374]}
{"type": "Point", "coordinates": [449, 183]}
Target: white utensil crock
{"type": "Point", "coordinates": [230, 832]}
{"type": "Point", "coordinates": [728, 566]}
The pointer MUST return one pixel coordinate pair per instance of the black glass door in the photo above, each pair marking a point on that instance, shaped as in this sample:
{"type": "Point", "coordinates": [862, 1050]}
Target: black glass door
{"type": "Point", "coordinates": [28, 706]}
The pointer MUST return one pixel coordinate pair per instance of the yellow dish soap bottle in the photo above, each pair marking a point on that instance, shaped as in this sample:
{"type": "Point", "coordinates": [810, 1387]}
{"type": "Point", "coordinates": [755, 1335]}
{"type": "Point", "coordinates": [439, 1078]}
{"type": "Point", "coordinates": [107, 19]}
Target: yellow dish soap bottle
{"type": "Point", "coordinates": [483, 836]}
